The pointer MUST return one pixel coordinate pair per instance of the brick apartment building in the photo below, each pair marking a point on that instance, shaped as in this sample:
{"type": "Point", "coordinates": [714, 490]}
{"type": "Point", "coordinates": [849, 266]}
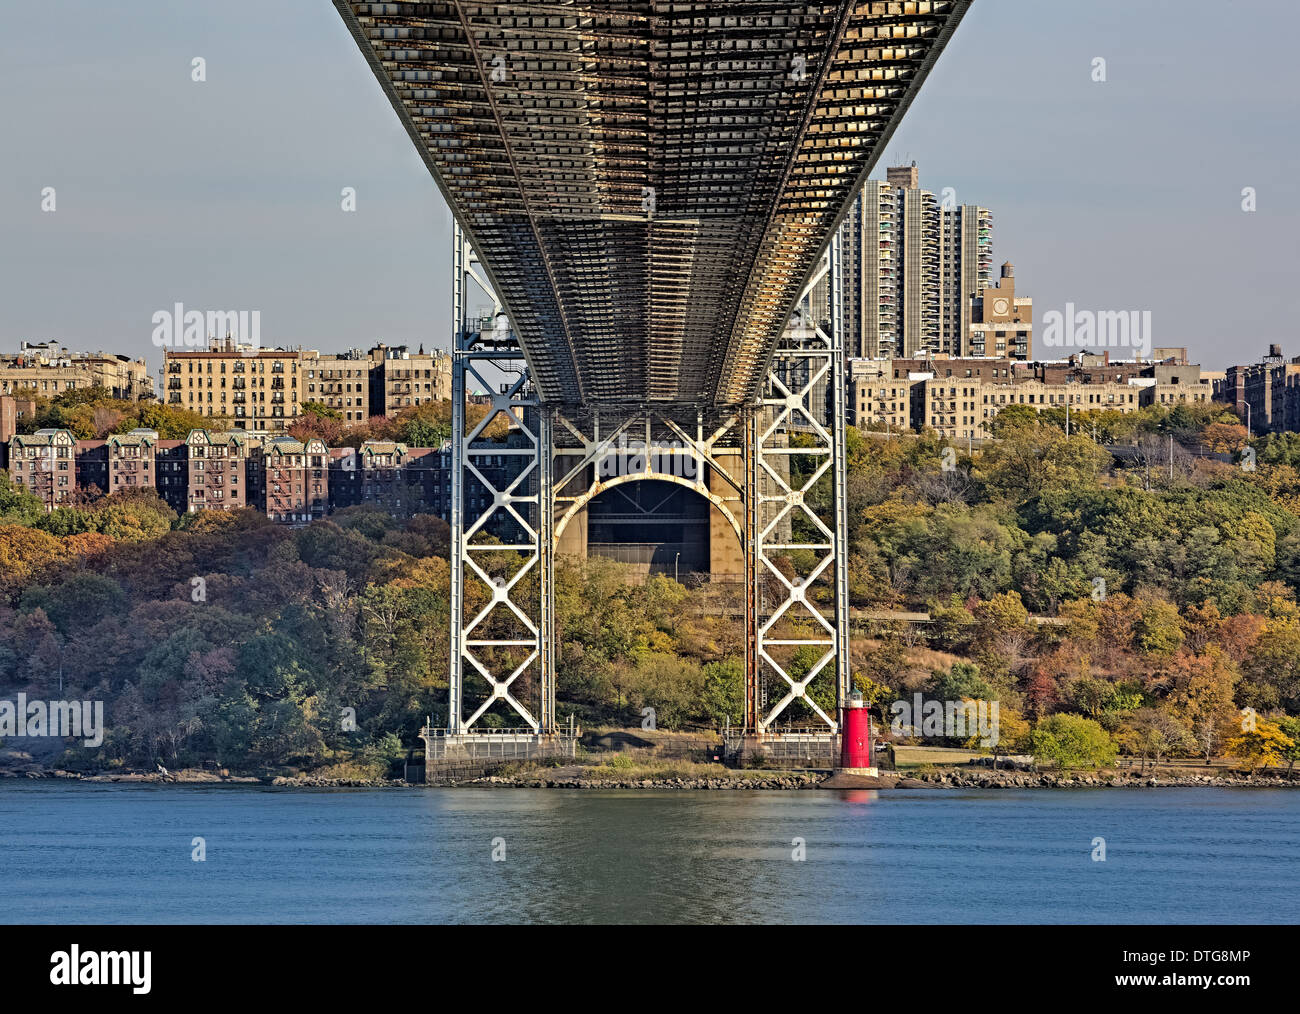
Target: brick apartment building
{"type": "Point", "coordinates": [1266, 394]}
{"type": "Point", "coordinates": [44, 464]}
{"type": "Point", "coordinates": [8, 426]}
{"type": "Point", "coordinates": [123, 461]}
{"type": "Point", "coordinates": [291, 482]}
{"type": "Point", "coordinates": [216, 471]}
{"type": "Point", "coordinates": [296, 480]}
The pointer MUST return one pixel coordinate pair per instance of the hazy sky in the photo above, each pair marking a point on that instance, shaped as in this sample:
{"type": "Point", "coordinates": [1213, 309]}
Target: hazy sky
{"type": "Point", "coordinates": [225, 194]}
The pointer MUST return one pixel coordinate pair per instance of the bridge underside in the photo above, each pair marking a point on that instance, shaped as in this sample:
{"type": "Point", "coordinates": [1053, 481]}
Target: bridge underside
{"type": "Point", "coordinates": [650, 183]}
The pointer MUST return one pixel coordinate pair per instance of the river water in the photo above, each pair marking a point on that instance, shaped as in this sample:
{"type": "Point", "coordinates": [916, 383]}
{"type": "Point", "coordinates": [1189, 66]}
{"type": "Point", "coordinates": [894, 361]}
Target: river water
{"type": "Point", "coordinates": [81, 853]}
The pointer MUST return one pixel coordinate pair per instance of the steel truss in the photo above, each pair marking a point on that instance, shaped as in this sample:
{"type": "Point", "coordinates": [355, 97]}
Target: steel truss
{"type": "Point", "coordinates": [801, 416]}
{"type": "Point", "coordinates": [742, 462]}
{"type": "Point", "coordinates": [480, 501]}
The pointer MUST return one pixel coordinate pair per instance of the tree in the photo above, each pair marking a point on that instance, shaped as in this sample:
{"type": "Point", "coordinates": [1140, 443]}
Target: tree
{"type": "Point", "coordinates": [1291, 729]}
{"type": "Point", "coordinates": [78, 603]}
{"type": "Point", "coordinates": [318, 421]}
{"type": "Point", "coordinates": [1071, 741]}
{"type": "Point", "coordinates": [1158, 630]}
{"type": "Point", "coordinates": [1027, 461]}
{"type": "Point", "coordinates": [1266, 745]}
{"type": "Point", "coordinates": [24, 555]}
{"type": "Point", "coordinates": [883, 664]}
{"type": "Point", "coordinates": [17, 505]}
{"type": "Point", "coordinates": [426, 425]}
{"type": "Point", "coordinates": [1203, 694]}
{"type": "Point", "coordinates": [961, 682]}
{"type": "Point", "coordinates": [672, 686]}
{"type": "Point", "coordinates": [1154, 733]}
{"type": "Point", "coordinates": [724, 691]}
{"type": "Point", "coordinates": [1013, 734]}
{"type": "Point", "coordinates": [1003, 633]}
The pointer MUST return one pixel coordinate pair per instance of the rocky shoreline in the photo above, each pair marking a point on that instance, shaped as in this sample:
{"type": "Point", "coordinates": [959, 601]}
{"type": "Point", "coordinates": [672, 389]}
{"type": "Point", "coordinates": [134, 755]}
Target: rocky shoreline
{"type": "Point", "coordinates": [959, 779]}
{"type": "Point", "coordinates": [954, 778]}
{"type": "Point", "coordinates": [207, 778]}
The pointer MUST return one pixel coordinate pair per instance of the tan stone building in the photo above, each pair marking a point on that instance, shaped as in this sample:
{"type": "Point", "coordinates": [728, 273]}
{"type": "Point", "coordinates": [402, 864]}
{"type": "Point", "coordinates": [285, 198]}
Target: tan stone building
{"type": "Point", "coordinates": [1266, 394]}
{"type": "Point", "coordinates": [952, 406]}
{"type": "Point", "coordinates": [960, 398]}
{"type": "Point", "coordinates": [340, 382]}
{"type": "Point", "coordinates": [879, 394]}
{"type": "Point", "coordinates": [1002, 323]}
{"type": "Point", "coordinates": [892, 390]}
{"type": "Point", "coordinates": [1107, 396]}
{"type": "Point", "coordinates": [400, 379]}
{"type": "Point", "coordinates": [264, 390]}
{"type": "Point", "coordinates": [260, 390]}
{"type": "Point", "coordinates": [50, 369]}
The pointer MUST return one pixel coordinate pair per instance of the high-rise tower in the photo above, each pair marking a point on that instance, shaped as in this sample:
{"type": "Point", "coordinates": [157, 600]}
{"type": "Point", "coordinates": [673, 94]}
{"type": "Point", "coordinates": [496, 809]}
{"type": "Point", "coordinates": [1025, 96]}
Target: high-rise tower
{"type": "Point", "coordinates": [906, 269]}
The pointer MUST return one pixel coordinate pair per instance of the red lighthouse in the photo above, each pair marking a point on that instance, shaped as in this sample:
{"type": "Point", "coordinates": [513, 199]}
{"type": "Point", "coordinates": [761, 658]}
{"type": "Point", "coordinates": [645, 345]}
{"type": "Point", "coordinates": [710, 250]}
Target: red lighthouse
{"type": "Point", "coordinates": [855, 737]}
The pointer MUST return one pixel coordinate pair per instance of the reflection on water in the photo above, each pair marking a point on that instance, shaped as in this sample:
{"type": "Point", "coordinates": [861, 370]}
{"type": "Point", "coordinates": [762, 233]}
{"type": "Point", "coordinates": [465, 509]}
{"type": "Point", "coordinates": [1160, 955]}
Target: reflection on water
{"type": "Point", "coordinates": [121, 853]}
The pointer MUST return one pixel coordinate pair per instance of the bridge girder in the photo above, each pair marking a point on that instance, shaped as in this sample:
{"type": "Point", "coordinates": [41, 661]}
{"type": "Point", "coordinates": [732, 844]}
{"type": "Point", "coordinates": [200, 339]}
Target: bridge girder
{"type": "Point", "coordinates": [650, 183]}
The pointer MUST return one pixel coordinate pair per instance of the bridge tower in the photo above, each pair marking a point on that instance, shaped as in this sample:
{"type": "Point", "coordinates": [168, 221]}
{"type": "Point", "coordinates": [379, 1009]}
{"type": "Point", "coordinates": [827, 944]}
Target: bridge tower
{"type": "Point", "coordinates": [794, 546]}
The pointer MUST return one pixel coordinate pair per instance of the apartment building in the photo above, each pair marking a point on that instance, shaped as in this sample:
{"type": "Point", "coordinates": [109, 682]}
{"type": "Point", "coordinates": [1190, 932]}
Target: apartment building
{"type": "Point", "coordinates": [373, 473]}
{"type": "Point", "coordinates": [414, 480]}
{"type": "Point", "coordinates": [251, 388]}
{"type": "Point", "coordinates": [50, 369]}
{"type": "Point", "coordinates": [950, 407]}
{"type": "Point", "coordinates": [8, 426]}
{"type": "Point", "coordinates": [1266, 394]}
{"type": "Point", "coordinates": [44, 464]}
{"type": "Point", "coordinates": [340, 382]}
{"type": "Point", "coordinates": [123, 461]}
{"type": "Point", "coordinates": [886, 391]}
{"type": "Point", "coordinates": [296, 480]}
{"type": "Point", "coordinates": [264, 390]}
{"type": "Point", "coordinates": [291, 482]}
{"type": "Point", "coordinates": [880, 393]}
{"type": "Point", "coordinates": [908, 269]}
{"type": "Point", "coordinates": [1107, 396]}
{"type": "Point", "coordinates": [965, 271]}
{"type": "Point", "coordinates": [960, 397]}
{"type": "Point", "coordinates": [401, 379]}
{"type": "Point", "coordinates": [428, 479]}
{"type": "Point", "coordinates": [172, 473]}
{"type": "Point", "coordinates": [217, 470]}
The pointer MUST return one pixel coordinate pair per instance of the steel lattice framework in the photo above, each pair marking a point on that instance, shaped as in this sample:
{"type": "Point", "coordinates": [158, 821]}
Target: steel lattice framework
{"type": "Point", "coordinates": [650, 183]}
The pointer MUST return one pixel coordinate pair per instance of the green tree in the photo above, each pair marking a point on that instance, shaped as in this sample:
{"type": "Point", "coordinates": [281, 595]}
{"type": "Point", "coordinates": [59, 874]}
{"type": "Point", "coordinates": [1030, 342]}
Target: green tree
{"type": "Point", "coordinates": [1072, 741]}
